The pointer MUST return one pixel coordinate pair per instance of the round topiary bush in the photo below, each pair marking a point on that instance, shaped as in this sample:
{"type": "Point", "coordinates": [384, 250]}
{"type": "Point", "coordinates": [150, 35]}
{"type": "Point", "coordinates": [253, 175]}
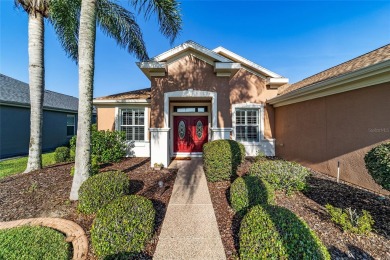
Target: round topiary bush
{"type": "Point", "coordinates": [282, 175]}
{"type": "Point", "coordinates": [101, 189]}
{"type": "Point", "coordinates": [123, 227]}
{"type": "Point", "coordinates": [272, 232]}
{"type": "Point", "coordinates": [378, 164]}
{"type": "Point", "coordinates": [61, 154]}
{"type": "Point", "coordinates": [221, 159]}
{"type": "Point", "coordinates": [248, 191]}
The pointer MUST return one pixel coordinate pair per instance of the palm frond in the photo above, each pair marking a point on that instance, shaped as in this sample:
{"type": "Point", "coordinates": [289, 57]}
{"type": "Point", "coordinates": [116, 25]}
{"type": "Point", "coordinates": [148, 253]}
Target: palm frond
{"type": "Point", "coordinates": [168, 15]}
{"type": "Point", "coordinates": [119, 23]}
{"type": "Point", "coordinates": [33, 6]}
{"type": "Point", "coordinates": [65, 17]}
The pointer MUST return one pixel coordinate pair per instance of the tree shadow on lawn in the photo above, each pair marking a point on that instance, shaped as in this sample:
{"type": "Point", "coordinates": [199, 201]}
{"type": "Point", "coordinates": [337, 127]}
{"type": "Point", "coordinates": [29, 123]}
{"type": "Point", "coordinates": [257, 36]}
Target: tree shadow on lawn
{"type": "Point", "coordinates": [340, 195]}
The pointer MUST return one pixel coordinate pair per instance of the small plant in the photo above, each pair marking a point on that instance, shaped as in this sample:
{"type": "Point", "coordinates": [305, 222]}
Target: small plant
{"type": "Point", "coordinates": [350, 220]}
{"type": "Point", "coordinates": [221, 159]}
{"type": "Point", "coordinates": [33, 187]}
{"type": "Point", "coordinates": [272, 232]}
{"type": "Point", "coordinates": [248, 191]}
{"type": "Point", "coordinates": [101, 189]}
{"type": "Point", "coordinates": [158, 166]}
{"type": "Point", "coordinates": [282, 175]}
{"type": "Point", "coordinates": [260, 156]}
{"type": "Point", "coordinates": [123, 227]}
{"type": "Point", "coordinates": [378, 164]}
{"type": "Point", "coordinates": [62, 154]}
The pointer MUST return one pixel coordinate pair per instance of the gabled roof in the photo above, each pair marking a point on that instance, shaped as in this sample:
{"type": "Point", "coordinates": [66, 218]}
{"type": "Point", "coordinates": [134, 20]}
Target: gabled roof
{"type": "Point", "coordinates": [134, 94]}
{"type": "Point", "coordinates": [223, 60]}
{"type": "Point", "coordinates": [15, 92]}
{"type": "Point", "coordinates": [189, 45]}
{"type": "Point", "coordinates": [371, 58]}
{"type": "Point", "coordinates": [237, 58]}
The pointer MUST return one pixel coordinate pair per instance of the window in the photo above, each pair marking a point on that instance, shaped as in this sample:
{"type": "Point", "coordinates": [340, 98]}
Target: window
{"type": "Point", "coordinates": [70, 125]}
{"type": "Point", "coordinates": [132, 122]}
{"type": "Point", "coordinates": [247, 125]}
{"type": "Point", "coordinates": [190, 109]}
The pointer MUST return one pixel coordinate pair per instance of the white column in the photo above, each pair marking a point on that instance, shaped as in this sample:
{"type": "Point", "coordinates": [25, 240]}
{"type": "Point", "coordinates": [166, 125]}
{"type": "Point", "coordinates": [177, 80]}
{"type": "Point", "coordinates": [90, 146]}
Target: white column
{"type": "Point", "coordinates": [159, 148]}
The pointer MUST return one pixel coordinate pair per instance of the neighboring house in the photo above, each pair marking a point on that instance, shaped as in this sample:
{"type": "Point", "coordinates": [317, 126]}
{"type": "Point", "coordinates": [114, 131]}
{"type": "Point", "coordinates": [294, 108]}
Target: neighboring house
{"type": "Point", "coordinates": [337, 115]}
{"type": "Point", "coordinates": [59, 118]}
{"type": "Point", "coordinates": [198, 95]}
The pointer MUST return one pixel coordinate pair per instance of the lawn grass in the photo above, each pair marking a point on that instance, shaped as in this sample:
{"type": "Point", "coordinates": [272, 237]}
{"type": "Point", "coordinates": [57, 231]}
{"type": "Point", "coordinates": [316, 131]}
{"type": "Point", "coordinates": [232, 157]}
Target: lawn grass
{"type": "Point", "coordinates": [33, 243]}
{"type": "Point", "coordinates": [18, 165]}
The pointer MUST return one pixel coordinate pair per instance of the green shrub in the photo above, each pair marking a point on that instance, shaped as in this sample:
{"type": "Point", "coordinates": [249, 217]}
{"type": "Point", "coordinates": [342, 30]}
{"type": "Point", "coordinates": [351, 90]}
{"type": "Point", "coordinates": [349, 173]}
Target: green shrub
{"type": "Point", "coordinates": [221, 159]}
{"type": "Point", "coordinates": [123, 227]}
{"type": "Point", "coordinates": [282, 175]}
{"type": "Point", "coordinates": [272, 232]}
{"type": "Point", "coordinates": [248, 191]}
{"type": "Point", "coordinates": [28, 242]}
{"type": "Point", "coordinates": [61, 154]}
{"type": "Point", "coordinates": [378, 164]}
{"type": "Point", "coordinates": [106, 146]}
{"type": "Point", "coordinates": [350, 220]}
{"type": "Point", "coordinates": [260, 156]}
{"type": "Point", "coordinates": [94, 167]}
{"type": "Point", "coordinates": [101, 189]}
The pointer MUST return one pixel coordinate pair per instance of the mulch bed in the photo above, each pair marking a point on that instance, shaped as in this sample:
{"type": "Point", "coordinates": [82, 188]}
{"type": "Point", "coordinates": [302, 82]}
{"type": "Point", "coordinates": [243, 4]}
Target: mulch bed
{"type": "Point", "coordinates": [309, 205]}
{"type": "Point", "coordinates": [45, 193]}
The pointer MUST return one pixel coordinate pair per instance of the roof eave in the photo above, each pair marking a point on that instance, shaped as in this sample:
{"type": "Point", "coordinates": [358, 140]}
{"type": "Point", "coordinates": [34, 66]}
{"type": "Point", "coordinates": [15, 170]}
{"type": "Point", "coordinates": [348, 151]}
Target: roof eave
{"type": "Point", "coordinates": [368, 76]}
{"type": "Point", "coordinates": [120, 101]}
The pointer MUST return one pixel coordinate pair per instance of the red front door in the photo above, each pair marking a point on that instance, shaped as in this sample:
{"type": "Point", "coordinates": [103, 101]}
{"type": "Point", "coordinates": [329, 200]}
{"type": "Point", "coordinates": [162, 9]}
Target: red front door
{"type": "Point", "coordinates": [189, 133]}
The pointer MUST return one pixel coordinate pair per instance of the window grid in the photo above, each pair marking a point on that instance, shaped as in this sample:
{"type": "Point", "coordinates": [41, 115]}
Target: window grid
{"type": "Point", "coordinates": [133, 124]}
{"type": "Point", "coordinates": [70, 125]}
{"type": "Point", "coordinates": [247, 125]}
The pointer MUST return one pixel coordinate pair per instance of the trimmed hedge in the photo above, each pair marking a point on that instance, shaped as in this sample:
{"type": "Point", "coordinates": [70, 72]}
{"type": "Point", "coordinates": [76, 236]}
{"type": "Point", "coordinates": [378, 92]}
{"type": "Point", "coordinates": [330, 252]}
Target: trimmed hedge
{"type": "Point", "coordinates": [101, 189]}
{"type": "Point", "coordinates": [221, 159]}
{"type": "Point", "coordinates": [123, 227]}
{"type": "Point", "coordinates": [282, 175]}
{"type": "Point", "coordinates": [62, 154]}
{"type": "Point", "coordinates": [249, 191]}
{"type": "Point", "coordinates": [272, 232]}
{"type": "Point", "coordinates": [378, 164]}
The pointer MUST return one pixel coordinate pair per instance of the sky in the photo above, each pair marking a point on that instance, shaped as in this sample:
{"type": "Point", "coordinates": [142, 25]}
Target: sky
{"type": "Point", "coordinates": [295, 39]}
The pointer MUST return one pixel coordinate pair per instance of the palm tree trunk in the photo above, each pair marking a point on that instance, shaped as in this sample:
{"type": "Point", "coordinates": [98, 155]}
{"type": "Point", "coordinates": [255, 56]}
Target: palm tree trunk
{"type": "Point", "coordinates": [37, 87]}
{"type": "Point", "coordinates": [86, 50]}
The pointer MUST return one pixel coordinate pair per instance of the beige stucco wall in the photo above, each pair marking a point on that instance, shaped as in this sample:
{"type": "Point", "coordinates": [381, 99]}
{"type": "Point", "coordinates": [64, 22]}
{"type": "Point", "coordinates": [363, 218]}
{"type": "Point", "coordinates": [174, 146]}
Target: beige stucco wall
{"type": "Point", "coordinates": [190, 72]}
{"type": "Point", "coordinates": [342, 127]}
{"type": "Point", "coordinates": [106, 118]}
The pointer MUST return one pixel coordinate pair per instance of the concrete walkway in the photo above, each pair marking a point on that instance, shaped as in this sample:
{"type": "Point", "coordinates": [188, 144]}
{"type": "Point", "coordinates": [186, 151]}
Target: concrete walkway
{"type": "Point", "coordinates": [190, 229]}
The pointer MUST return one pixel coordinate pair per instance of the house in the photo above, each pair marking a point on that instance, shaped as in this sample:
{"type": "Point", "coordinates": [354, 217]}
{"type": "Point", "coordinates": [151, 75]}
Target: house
{"type": "Point", "coordinates": [59, 118]}
{"type": "Point", "coordinates": [197, 95]}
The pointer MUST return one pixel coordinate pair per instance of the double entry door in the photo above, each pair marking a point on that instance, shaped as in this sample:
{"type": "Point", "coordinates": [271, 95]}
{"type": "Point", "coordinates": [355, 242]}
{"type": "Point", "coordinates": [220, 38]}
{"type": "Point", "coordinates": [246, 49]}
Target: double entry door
{"type": "Point", "coordinates": [189, 133]}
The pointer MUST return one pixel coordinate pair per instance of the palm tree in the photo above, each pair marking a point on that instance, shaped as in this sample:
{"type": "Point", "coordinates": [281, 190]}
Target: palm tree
{"type": "Point", "coordinates": [91, 12]}
{"type": "Point", "coordinates": [37, 10]}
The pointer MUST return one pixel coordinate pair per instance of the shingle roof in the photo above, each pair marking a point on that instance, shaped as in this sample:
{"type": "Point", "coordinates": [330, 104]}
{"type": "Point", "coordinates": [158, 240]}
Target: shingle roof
{"type": "Point", "coordinates": [134, 94]}
{"type": "Point", "coordinates": [363, 61]}
{"type": "Point", "coordinates": [13, 91]}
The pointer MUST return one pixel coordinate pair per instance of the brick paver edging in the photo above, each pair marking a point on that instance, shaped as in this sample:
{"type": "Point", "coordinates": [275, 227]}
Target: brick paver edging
{"type": "Point", "coordinates": [74, 233]}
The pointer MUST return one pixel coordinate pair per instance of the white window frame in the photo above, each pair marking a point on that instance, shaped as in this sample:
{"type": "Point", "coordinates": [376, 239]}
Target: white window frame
{"type": "Point", "coordinates": [74, 125]}
{"type": "Point", "coordinates": [260, 108]}
{"type": "Point", "coordinates": [118, 114]}
{"type": "Point", "coordinates": [133, 109]}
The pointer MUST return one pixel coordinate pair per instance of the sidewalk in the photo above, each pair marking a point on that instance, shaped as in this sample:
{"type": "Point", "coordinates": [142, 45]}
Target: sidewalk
{"type": "Point", "coordinates": [190, 229]}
